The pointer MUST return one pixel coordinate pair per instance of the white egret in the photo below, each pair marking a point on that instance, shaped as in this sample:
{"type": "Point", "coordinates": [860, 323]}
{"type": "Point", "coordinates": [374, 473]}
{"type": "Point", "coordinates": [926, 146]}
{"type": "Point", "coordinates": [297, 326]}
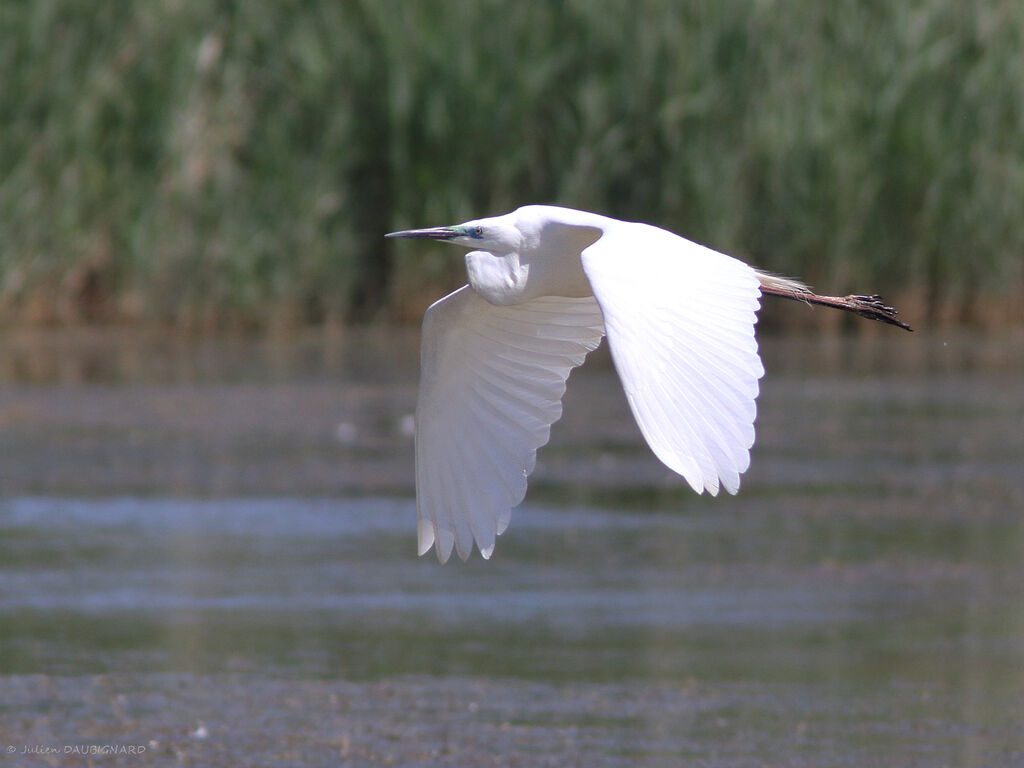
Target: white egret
{"type": "Point", "coordinates": [545, 285]}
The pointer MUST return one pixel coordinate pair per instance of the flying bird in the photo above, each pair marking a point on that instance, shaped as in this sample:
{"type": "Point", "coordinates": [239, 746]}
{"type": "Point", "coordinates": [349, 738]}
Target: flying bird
{"type": "Point", "coordinates": [545, 285]}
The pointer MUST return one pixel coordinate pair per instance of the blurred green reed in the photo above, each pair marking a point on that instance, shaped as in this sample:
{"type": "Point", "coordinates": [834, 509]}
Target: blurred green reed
{"type": "Point", "coordinates": [234, 164]}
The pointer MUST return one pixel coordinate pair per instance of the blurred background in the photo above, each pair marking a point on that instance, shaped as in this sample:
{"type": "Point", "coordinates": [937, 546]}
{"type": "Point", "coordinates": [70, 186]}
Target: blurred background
{"type": "Point", "coordinates": [233, 165]}
{"type": "Point", "coordinates": [209, 354]}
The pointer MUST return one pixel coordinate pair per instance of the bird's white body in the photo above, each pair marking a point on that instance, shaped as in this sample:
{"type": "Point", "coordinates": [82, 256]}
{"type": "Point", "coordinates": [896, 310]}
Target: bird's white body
{"type": "Point", "coordinates": [545, 285]}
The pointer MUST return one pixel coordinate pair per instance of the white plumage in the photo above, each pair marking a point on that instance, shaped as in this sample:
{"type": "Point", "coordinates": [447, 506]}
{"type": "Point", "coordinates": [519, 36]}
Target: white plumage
{"type": "Point", "coordinates": [545, 284]}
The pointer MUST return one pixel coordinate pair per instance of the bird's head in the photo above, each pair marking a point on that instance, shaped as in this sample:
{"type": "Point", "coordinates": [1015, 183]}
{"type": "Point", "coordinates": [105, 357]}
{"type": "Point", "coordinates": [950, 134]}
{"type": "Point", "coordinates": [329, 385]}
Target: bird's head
{"type": "Point", "coordinates": [496, 234]}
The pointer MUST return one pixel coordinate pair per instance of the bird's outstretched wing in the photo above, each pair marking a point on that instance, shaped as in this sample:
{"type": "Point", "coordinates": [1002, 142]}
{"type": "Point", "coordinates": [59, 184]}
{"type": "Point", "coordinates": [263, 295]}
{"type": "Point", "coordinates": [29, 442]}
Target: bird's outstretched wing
{"type": "Point", "coordinates": [680, 322]}
{"type": "Point", "coordinates": [491, 386]}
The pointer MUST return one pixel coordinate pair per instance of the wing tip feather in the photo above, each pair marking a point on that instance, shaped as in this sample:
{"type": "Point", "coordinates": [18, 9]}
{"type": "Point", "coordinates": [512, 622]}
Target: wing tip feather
{"type": "Point", "coordinates": [425, 537]}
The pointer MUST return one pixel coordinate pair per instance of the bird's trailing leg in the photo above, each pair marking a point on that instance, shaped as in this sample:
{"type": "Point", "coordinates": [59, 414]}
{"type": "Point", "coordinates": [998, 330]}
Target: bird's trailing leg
{"type": "Point", "coordinates": [871, 307]}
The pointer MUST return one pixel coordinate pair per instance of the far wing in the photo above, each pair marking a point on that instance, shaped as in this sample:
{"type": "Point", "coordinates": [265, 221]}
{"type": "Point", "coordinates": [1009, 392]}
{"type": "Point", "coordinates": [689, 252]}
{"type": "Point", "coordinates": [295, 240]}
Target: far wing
{"type": "Point", "coordinates": [680, 322]}
{"type": "Point", "coordinates": [491, 386]}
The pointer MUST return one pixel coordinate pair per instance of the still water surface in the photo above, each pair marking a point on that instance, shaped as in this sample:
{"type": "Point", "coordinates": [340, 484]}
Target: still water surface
{"type": "Point", "coordinates": [207, 549]}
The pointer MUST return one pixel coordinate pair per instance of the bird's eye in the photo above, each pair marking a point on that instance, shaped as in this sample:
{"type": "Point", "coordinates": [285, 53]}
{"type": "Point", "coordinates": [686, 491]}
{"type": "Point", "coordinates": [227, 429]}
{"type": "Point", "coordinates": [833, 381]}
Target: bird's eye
{"type": "Point", "coordinates": [478, 231]}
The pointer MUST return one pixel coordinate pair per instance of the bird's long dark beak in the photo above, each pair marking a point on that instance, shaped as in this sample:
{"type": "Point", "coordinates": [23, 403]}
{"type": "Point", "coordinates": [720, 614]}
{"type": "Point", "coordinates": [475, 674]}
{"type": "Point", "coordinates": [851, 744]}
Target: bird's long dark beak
{"type": "Point", "coordinates": [435, 233]}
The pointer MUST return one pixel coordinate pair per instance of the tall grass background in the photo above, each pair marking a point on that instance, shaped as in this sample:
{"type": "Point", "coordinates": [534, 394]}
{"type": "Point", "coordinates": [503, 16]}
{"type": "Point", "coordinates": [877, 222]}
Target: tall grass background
{"type": "Point", "coordinates": [234, 164]}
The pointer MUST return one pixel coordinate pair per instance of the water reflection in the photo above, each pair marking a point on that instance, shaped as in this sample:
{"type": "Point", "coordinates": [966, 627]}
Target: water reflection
{"type": "Point", "coordinates": [235, 508]}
